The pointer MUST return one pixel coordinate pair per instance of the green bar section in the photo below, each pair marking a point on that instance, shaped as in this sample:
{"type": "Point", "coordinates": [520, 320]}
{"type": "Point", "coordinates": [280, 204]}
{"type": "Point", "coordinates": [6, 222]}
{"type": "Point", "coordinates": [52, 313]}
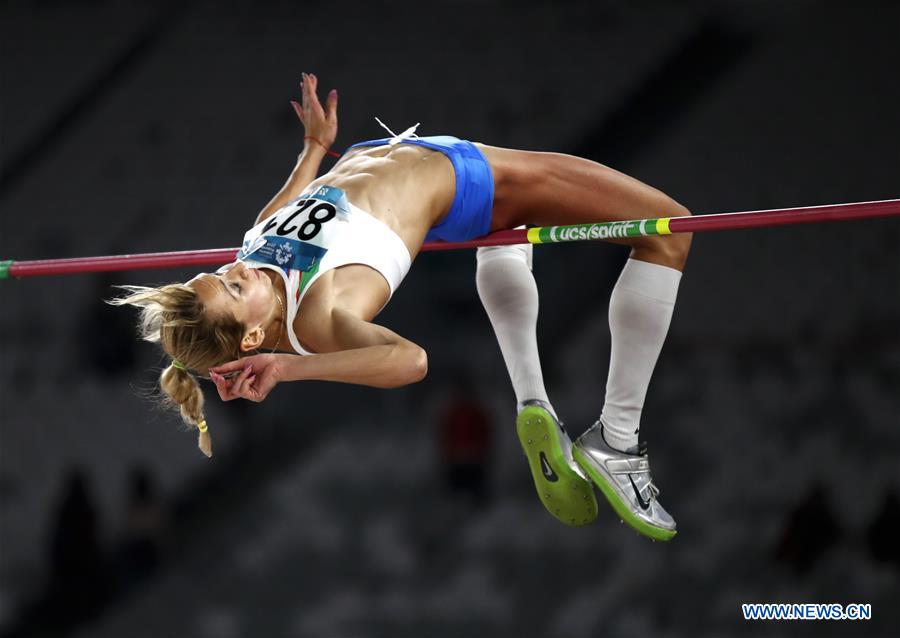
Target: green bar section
{"type": "Point", "coordinates": [601, 230]}
{"type": "Point", "coordinates": [545, 234]}
{"type": "Point", "coordinates": [4, 268]}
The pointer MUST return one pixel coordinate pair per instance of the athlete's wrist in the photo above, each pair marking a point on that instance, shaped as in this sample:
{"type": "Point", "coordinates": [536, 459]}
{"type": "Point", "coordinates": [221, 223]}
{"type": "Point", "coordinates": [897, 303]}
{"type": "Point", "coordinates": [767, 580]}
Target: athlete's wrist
{"type": "Point", "coordinates": [312, 150]}
{"type": "Point", "coordinates": [318, 144]}
{"type": "Point", "coordinates": [285, 366]}
{"type": "Point", "coordinates": [278, 365]}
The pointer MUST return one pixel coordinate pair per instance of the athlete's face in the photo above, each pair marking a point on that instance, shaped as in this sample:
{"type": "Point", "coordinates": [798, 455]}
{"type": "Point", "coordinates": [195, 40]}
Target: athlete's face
{"type": "Point", "coordinates": [247, 294]}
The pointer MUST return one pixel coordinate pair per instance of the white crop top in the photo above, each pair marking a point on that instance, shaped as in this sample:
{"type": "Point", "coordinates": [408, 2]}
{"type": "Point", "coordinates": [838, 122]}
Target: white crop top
{"type": "Point", "coordinates": [318, 232]}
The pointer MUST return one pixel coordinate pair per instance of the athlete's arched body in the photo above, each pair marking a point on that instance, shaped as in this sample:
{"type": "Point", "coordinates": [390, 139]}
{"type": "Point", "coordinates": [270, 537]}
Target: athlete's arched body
{"type": "Point", "coordinates": [353, 233]}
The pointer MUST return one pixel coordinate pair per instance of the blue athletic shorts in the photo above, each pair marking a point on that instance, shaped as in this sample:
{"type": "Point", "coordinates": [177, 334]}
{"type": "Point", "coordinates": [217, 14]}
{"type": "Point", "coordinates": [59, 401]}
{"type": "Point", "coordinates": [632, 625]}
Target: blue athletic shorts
{"type": "Point", "coordinates": [470, 214]}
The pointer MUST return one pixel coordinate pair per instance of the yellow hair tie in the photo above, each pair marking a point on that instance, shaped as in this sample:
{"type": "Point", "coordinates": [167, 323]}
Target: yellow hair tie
{"type": "Point", "coordinates": [202, 425]}
{"type": "Point", "coordinates": [177, 364]}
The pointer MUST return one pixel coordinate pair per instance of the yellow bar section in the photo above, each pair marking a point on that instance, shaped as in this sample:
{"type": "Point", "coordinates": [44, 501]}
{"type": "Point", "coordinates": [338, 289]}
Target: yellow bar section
{"type": "Point", "coordinates": [662, 226]}
{"type": "Point", "coordinates": [534, 235]}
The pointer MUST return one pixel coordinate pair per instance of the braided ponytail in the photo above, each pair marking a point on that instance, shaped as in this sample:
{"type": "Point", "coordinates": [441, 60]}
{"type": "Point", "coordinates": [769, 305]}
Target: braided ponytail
{"type": "Point", "coordinates": [182, 391]}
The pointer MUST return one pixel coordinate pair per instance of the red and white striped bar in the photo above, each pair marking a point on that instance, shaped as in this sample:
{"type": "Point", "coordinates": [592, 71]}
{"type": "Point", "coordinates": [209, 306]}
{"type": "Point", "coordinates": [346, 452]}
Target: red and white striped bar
{"type": "Point", "coordinates": [543, 235]}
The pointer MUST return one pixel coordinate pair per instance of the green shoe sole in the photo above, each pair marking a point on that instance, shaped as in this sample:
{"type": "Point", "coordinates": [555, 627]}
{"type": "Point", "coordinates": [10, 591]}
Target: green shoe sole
{"type": "Point", "coordinates": [565, 494]}
{"type": "Point", "coordinates": [621, 508]}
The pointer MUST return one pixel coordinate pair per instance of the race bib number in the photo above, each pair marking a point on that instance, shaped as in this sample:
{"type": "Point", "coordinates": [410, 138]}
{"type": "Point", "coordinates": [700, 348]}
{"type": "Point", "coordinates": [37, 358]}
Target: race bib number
{"type": "Point", "coordinates": [298, 235]}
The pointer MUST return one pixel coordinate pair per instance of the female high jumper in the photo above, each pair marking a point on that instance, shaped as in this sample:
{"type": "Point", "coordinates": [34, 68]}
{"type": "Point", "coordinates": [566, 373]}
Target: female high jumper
{"type": "Point", "coordinates": [325, 255]}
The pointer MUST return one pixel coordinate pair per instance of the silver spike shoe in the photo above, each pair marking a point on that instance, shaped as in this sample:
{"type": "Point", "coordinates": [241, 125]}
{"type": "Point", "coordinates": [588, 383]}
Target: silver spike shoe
{"type": "Point", "coordinates": [624, 478]}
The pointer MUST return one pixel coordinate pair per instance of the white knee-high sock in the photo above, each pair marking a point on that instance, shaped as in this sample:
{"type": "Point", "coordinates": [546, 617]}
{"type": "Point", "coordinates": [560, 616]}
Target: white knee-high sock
{"type": "Point", "coordinates": [640, 309]}
{"type": "Point", "coordinates": [509, 294]}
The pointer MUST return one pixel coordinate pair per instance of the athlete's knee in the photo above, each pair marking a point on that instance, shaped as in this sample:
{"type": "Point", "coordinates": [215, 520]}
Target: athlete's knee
{"type": "Point", "coordinates": [503, 277]}
{"type": "Point", "coordinates": [678, 210]}
{"type": "Point", "coordinates": [520, 252]}
{"type": "Point", "coordinates": [669, 250]}
{"type": "Point", "coordinates": [679, 245]}
{"type": "Point", "coordinates": [419, 368]}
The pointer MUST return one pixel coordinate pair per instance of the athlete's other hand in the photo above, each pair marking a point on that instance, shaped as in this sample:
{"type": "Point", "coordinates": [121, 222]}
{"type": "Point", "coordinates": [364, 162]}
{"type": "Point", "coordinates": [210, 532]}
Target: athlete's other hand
{"type": "Point", "coordinates": [319, 123]}
{"type": "Point", "coordinates": [258, 375]}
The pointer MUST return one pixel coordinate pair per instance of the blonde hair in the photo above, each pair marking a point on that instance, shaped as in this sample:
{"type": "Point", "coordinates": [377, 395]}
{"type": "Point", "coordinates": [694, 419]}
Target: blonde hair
{"type": "Point", "coordinates": [174, 316]}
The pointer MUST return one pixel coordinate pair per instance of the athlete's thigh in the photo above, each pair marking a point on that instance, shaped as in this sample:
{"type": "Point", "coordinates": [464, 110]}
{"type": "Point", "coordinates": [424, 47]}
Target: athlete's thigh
{"type": "Point", "coordinates": [547, 189]}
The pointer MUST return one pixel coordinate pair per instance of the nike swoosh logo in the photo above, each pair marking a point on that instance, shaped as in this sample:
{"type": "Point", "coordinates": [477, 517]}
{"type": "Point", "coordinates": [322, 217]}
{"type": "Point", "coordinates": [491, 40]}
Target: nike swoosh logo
{"type": "Point", "coordinates": [547, 471]}
{"type": "Point", "coordinates": [644, 504]}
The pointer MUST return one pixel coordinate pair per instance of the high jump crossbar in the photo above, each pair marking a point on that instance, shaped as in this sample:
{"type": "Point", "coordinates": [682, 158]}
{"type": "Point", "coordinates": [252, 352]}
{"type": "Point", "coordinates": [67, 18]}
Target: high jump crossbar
{"type": "Point", "coordinates": [541, 235]}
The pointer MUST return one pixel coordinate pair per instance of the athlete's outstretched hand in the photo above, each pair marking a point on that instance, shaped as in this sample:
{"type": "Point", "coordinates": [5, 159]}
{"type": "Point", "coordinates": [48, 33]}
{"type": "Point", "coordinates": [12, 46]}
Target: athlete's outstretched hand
{"type": "Point", "coordinates": [319, 123]}
{"type": "Point", "coordinates": [258, 375]}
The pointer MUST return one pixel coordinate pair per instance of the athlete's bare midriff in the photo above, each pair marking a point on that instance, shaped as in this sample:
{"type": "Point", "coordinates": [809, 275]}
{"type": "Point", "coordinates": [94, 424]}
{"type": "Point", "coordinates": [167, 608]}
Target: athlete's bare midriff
{"type": "Point", "coordinates": [409, 188]}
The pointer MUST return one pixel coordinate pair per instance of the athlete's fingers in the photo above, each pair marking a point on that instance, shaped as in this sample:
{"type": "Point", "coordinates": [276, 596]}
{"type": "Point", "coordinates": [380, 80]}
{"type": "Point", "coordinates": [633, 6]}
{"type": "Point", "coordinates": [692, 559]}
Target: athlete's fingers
{"type": "Point", "coordinates": [255, 394]}
{"type": "Point", "coordinates": [231, 366]}
{"type": "Point", "coordinates": [267, 381]}
{"type": "Point", "coordinates": [217, 382]}
{"type": "Point", "coordinates": [331, 105]}
{"type": "Point", "coordinates": [244, 388]}
{"type": "Point", "coordinates": [236, 383]}
{"type": "Point", "coordinates": [253, 391]}
{"type": "Point", "coordinates": [298, 110]}
{"type": "Point", "coordinates": [223, 386]}
{"type": "Point", "coordinates": [248, 370]}
{"type": "Point", "coordinates": [304, 94]}
{"type": "Point", "coordinates": [312, 98]}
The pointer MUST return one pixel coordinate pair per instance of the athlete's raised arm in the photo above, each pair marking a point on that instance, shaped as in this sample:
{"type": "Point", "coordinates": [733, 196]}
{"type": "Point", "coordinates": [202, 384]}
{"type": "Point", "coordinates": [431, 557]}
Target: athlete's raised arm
{"type": "Point", "coordinates": [320, 126]}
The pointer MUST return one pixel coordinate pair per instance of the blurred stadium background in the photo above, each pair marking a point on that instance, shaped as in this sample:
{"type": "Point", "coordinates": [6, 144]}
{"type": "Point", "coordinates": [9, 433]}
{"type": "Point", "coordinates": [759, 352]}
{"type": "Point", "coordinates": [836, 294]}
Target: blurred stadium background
{"type": "Point", "coordinates": [338, 511]}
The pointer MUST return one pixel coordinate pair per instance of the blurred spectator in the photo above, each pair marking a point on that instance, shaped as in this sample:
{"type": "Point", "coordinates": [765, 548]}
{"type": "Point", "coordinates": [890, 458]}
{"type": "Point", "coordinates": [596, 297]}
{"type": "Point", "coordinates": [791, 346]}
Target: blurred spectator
{"type": "Point", "coordinates": [884, 531]}
{"type": "Point", "coordinates": [78, 575]}
{"type": "Point", "coordinates": [811, 529]}
{"type": "Point", "coordinates": [465, 442]}
{"type": "Point", "coordinates": [146, 523]}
